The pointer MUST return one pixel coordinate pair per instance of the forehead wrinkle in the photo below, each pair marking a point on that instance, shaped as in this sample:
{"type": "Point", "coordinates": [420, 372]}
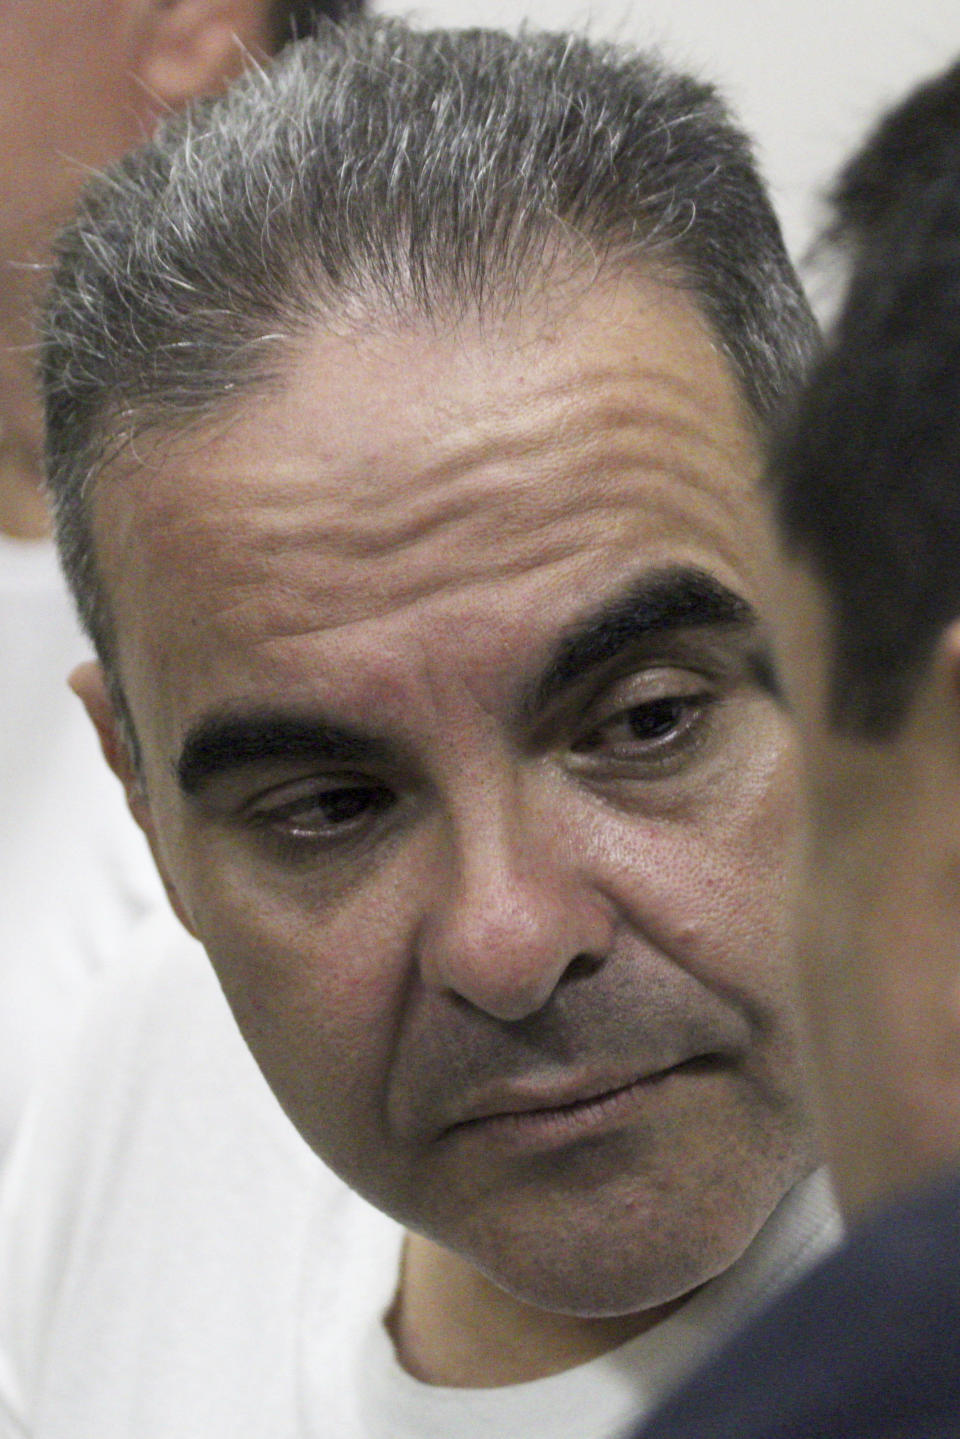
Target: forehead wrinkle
{"type": "Point", "coordinates": [354, 514]}
{"type": "Point", "coordinates": [295, 614]}
{"type": "Point", "coordinates": [570, 471]}
{"type": "Point", "coordinates": [472, 539]}
{"type": "Point", "coordinates": [484, 549]}
{"type": "Point", "coordinates": [592, 397]}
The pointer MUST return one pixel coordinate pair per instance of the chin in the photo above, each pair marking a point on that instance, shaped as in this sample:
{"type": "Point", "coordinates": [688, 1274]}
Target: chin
{"type": "Point", "coordinates": [616, 1259]}
{"type": "Point", "coordinates": [590, 1288]}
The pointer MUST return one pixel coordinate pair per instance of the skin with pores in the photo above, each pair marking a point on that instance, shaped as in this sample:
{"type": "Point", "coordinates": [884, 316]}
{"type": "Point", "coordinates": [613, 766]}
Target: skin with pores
{"type": "Point", "coordinates": [452, 761]}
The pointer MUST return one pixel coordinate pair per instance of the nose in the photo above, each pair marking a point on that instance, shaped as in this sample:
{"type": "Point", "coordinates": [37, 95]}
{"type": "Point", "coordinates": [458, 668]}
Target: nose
{"type": "Point", "coordinates": [512, 919]}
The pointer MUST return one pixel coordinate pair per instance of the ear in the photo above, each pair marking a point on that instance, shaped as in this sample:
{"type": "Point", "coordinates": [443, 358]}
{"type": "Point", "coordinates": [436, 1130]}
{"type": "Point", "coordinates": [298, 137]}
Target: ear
{"type": "Point", "coordinates": [187, 48]}
{"type": "Point", "coordinates": [89, 684]}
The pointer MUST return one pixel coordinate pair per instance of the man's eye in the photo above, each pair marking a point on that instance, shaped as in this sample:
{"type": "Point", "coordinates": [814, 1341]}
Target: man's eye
{"type": "Point", "coordinates": [320, 812]}
{"type": "Point", "coordinates": [656, 729]}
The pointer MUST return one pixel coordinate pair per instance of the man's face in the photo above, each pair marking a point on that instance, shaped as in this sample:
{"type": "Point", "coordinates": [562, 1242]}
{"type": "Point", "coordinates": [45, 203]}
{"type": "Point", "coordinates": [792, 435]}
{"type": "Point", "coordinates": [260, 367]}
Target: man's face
{"type": "Point", "coordinates": [877, 908]}
{"type": "Point", "coordinates": [436, 658]}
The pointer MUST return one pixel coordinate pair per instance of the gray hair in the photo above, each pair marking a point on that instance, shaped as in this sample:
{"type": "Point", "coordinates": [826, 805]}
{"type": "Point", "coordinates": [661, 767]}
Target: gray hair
{"type": "Point", "coordinates": [377, 169]}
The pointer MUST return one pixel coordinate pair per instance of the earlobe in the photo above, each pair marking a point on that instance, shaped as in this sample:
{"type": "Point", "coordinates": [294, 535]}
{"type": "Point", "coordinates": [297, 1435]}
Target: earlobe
{"type": "Point", "coordinates": [190, 48]}
{"type": "Point", "coordinates": [89, 684]}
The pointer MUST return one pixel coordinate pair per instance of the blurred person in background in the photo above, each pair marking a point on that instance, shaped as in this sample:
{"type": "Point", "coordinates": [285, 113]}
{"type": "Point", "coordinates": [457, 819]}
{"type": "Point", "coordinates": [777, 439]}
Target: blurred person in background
{"type": "Point", "coordinates": [80, 82]}
{"type": "Point", "coordinates": [865, 497]}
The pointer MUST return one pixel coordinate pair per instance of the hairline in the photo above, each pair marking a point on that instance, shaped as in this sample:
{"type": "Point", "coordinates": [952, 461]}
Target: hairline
{"type": "Point", "coordinates": [657, 217]}
{"type": "Point", "coordinates": [117, 430]}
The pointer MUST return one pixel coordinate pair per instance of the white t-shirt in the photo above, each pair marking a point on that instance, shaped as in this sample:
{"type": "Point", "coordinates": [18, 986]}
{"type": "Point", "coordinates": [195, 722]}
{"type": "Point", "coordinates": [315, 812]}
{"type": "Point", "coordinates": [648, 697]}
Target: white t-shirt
{"type": "Point", "coordinates": [176, 1264]}
{"type": "Point", "coordinates": [75, 869]}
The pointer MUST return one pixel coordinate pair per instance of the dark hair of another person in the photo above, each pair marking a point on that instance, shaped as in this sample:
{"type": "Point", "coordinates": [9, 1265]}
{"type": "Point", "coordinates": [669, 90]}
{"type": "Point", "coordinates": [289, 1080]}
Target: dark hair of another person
{"type": "Point", "coordinates": [293, 19]}
{"type": "Point", "coordinates": [866, 476]}
{"type": "Point", "coordinates": [377, 174]}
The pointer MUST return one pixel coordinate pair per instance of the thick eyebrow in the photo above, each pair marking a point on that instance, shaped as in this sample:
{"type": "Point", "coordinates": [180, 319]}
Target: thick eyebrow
{"type": "Point", "coordinates": [682, 597]}
{"type": "Point", "coordinates": [219, 743]}
{"type": "Point", "coordinates": [678, 598]}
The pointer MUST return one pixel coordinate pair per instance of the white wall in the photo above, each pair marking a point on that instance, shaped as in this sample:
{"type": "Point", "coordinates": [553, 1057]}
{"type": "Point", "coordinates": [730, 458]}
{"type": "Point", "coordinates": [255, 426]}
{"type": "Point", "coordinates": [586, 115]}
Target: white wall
{"type": "Point", "coordinates": [806, 77]}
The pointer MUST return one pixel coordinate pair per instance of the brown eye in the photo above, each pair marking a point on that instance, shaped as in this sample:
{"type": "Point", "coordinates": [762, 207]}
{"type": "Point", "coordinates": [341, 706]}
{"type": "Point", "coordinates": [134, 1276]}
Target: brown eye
{"type": "Point", "coordinates": [656, 719]}
{"type": "Point", "coordinates": [340, 806]}
{"type": "Point", "coordinates": [647, 729]}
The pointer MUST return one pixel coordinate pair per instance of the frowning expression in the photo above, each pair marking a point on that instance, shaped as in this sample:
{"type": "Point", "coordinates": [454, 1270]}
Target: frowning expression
{"type": "Point", "coordinates": [436, 658]}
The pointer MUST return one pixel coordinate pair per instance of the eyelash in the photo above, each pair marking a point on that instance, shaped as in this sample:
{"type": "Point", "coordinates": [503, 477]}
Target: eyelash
{"type": "Point", "coordinates": [293, 841]}
{"type": "Point", "coordinates": [678, 719]}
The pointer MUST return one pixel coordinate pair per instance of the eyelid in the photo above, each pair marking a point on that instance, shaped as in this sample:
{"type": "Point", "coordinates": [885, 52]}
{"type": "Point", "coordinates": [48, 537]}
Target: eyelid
{"type": "Point", "coordinates": [712, 657]}
{"type": "Point", "coordinates": [602, 744]}
{"type": "Point", "coordinates": [619, 714]}
{"type": "Point", "coordinates": [653, 682]}
{"type": "Point", "coordinates": [283, 793]}
{"type": "Point", "coordinates": [297, 829]}
{"type": "Point", "coordinates": [645, 686]}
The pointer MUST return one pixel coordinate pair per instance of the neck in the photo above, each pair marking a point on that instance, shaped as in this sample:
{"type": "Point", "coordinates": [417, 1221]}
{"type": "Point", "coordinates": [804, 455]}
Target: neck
{"type": "Point", "coordinates": [452, 1326]}
{"type": "Point", "coordinates": [24, 514]}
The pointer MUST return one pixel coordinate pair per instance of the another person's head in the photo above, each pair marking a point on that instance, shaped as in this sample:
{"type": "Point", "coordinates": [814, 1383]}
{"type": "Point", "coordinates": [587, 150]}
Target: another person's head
{"type": "Point", "coordinates": [405, 414]}
{"type": "Point", "coordinates": [866, 492]}
{"type": "Point", "coordinates": [79, 84]}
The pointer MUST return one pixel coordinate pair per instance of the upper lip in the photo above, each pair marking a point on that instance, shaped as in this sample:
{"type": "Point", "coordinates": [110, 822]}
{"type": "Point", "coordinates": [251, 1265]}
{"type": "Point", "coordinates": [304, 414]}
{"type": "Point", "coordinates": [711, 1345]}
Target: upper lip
{"type": "Point", "coordinates": [527, 1097]}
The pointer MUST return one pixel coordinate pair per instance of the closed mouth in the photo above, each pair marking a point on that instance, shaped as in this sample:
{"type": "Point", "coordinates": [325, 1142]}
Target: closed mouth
{"type": "Point", "coordinates": [528, 1116]}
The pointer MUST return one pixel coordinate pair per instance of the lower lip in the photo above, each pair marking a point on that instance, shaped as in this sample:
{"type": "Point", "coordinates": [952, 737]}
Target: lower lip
{"type": "Point", "coordinates": [537, 1127]}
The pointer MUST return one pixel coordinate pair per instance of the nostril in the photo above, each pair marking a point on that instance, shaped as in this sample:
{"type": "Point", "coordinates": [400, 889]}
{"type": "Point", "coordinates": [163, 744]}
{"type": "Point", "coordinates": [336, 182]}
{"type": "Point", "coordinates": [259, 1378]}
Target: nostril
{"type": "Point", "coordinates": [581, 967]}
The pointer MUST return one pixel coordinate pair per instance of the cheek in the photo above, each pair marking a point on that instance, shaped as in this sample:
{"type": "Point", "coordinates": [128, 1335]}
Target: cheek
{"type": "Point", "coordinates": [715, 885]}
{"type": "Point", "coordinates": [317, 990]}
{"type": "Point", "coordinates": [320, 1013]}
